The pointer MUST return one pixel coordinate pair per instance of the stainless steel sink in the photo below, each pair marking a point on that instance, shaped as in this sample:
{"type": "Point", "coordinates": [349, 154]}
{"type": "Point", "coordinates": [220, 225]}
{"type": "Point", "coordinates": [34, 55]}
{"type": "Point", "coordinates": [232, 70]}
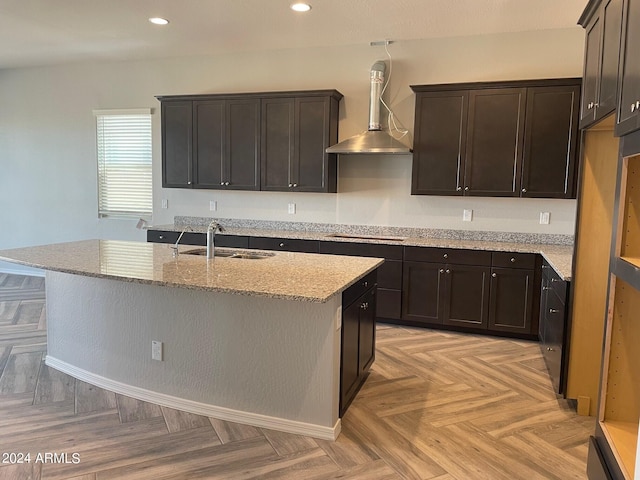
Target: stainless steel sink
{"type": "Point", "coordinates": [368, 237]}
{"type": "Point", "coordinates": [231, 253]}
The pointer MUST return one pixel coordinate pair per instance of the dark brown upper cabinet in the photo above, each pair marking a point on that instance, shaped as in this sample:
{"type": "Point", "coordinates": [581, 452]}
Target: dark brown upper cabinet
{"type": "Point", "coordinates": [439, 143]}
{"type": "Point", "coordinates": [494, 135]}
{"type": "Point", "coordinates": [602, 20]}
{"type": "Point", "coordinates": [177, 133]}
{"type": "Point", "coordinates": [222, 141]}
{"type": "Point", "coordinates": [295, 133]}
{"type": "Point", "coordinates": [496, 139]}
{"type": "Point", "coordinates": [210, 142]}
{"type": "Point", "coordinates": [550, 142]}
{"type": "Point", "coordinates": [226, 144]}
{"type": "Point", "coordinates": [628, 114]}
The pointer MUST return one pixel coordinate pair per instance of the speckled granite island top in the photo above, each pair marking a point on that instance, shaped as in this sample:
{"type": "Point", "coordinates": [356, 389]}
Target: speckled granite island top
{"type": "Point", "coordinates": [285, 275]}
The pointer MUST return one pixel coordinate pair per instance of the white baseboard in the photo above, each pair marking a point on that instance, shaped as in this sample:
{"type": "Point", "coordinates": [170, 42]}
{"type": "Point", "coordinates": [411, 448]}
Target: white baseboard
{"type": "Point", "coordinates": [198, 408]}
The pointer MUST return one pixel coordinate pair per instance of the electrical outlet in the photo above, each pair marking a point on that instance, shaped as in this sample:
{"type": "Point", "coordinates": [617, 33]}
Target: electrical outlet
{"type": "Point", "coordinates": [213, 205]}
{"type": "Point", "coordinates": [544, 218]}
{"type": "Point", "coordinates": [292, 208]}
{"type": "Point", "coordinates": [467, 215]}
{"type": "Point", "coordinates": [165, 203]}
{"type": "Point", "coordinates": [156, 350]}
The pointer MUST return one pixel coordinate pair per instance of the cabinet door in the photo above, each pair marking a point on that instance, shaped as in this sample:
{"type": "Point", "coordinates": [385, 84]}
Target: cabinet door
{"type": "Point", "coordinates": [511, 303]}
{"type": "Point", "coordinates": [554, 335]}
{"type": "Point", "coordinates": [550, 139]}
{"type": "Point", "coordinates": [608, 75]}
{"type": "Point", "coordinates": [439, 144]}
{"type": "Point", "coordinates": [421, 291]}
{"type": "Point", "coordinates": [208, 143]}
{"type": "Point", "coordinates": [311, 170]}
{"type": "Point", "coordinates": [466, 297]}
{"type": "Point", "coordinates": [277, 143]}
{"type": "Point", "coordinates": [177, 135]}
{"type": "Point", "coordinates": [629, 104]}
{"type": "Point", "coordinates": [242, 145]}
{"type": "Point", "coordinates": [590, 78]}
{"type": "Point", "coordinates": [349, 368]}
{"type": "Point", "coordinates": [495, 133]}
{"type": "Point", "coordinates": [367, 340]}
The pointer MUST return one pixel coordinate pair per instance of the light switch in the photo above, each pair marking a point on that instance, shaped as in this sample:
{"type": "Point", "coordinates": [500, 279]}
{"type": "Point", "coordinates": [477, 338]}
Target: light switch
{"type": "Point", "coordinates": [467, 215]}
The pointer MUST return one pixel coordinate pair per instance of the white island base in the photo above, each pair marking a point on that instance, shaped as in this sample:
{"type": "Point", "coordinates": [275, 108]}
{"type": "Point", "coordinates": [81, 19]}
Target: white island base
{"type": "Point", "coordinates": [260, 361]}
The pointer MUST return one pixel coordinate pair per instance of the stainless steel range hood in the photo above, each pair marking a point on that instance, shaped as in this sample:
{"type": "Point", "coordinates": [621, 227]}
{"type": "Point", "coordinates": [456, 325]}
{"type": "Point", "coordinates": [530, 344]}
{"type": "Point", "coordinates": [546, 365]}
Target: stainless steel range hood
{"type": "Point", "coordinates": [374, 140]}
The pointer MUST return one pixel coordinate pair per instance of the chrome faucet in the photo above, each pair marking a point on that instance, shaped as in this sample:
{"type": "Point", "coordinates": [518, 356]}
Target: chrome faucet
{"type": "Point", "coordinates": [175, 246]}
{"type": "Point", "coordinates": [211, 234]}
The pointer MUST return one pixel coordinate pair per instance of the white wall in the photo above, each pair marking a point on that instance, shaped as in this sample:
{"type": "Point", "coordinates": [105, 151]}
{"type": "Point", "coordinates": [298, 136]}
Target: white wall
{"type": "Point", "coordinates": [47, 139]}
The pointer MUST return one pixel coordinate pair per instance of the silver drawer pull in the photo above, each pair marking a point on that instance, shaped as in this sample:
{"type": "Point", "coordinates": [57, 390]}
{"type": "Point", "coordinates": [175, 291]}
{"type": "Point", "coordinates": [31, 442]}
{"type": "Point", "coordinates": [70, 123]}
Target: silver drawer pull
{"type": "Point", "coordinates": [494, 275]}
{"type": "Point", "coordinates": [446, 255]}
{"type": "Point", "coordinates": [441, 270]}
{"type": "Point", "coordinates": [513, 260]}
{"type": "Point", "coordinates": [553, 310]}
{"type": "Point", "coordinates": [281, 244]}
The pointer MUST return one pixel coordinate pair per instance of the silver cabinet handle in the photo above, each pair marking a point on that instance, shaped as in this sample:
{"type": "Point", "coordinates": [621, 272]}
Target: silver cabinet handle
{"type": "Point", "coordinates": [637, 104]}
{"type": "Point", "coordinates": [295, 185]}
{"type": "Point", "coordinates": [446, 255]}
{"type": "Point", "coordinates": [365, 283]}
{"type": "Point", "coordinates": [494, 275]}
{"type": "Point", "coordinates": [524, 190]}
{"type": "Point", "coordinates": [466, 189]}
{"type": "Point", "coordinates": [290, 185]}
{"type": "Point", "coordinates": [189, 183]}
{"type": "Point", "coordinates": [633, 107]}
{"type": "Point", "coordinates": [513, 260]}
{"type": "Point", "coordinates": [160, 237]}
{"type": "Point", "coordinates": [221, 183]}
{"type": "Point", "coordinates": [590, 106]}
{"type": "Point", "coordinates": [364, 305]}
{"type": "Point", "coordinates": [226, 183]}
{"type": "Point", "coordinates": [281, 244]}
{"type": "Point", "coordinates": [546, 288]}
{"type": "Point", "coordinates": [448, 271]}
{"type": "Point", "coordinates": [441, 270]}
{"type": "Point", "coordinates": [553, 310]}
{"type": "Point", "coordinates": [458, 189]}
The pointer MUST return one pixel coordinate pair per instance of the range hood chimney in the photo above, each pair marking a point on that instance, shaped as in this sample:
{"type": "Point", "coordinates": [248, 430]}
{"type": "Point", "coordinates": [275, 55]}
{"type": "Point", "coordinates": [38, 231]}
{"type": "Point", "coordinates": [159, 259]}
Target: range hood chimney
{"type": "Point", "coordinates": [374, 140]}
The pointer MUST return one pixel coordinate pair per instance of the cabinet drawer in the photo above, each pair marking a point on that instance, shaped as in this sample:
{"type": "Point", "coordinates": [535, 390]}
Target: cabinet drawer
{"type": "Point", "coordinates": [352, 293]}
{"type": "Point", "coordinates": [447, 255]}
{"type": "Point", "coordinates": [284, 244]}
{"type": "Point", "coordinates": [513, 260]}
{"type": "Point", "coordinates": [167, 236]}
{"type": "Point", "coordinates": [236, 241]}
{"type": "Point", "coordinates": [389, 252]}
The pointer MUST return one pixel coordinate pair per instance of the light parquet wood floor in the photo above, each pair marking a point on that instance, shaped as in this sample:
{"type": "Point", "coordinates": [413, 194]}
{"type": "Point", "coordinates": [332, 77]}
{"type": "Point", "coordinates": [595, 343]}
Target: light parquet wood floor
{"type": "Point", "coordinates": [437, 405]}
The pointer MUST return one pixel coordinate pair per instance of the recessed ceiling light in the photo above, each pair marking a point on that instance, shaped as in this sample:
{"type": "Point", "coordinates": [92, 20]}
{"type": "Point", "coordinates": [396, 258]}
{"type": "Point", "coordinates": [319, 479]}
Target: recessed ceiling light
{"type": "Point", "coordinates": [301, 7]}
{"type": "Point", "coordinates": [159, 20]}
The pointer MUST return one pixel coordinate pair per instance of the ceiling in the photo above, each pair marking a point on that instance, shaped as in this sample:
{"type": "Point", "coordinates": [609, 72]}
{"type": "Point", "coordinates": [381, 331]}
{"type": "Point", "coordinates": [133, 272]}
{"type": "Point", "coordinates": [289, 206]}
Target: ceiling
{"type": "Point", "coordinates": [46, 32]}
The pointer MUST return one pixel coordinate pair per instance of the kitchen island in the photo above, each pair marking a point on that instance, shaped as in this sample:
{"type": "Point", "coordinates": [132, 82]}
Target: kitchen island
{"type": "Point", "coordinates": [254, 341]}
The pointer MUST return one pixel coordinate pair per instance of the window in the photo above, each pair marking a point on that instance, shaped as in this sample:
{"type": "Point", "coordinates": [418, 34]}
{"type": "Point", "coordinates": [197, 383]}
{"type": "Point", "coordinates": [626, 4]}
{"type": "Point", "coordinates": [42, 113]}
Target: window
{"type": "Point", "coordinates": [124, 162]}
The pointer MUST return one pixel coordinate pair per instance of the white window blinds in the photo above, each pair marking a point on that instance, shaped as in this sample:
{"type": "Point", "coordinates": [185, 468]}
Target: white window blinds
{"type": "Point", "coordinates": [124, 162]}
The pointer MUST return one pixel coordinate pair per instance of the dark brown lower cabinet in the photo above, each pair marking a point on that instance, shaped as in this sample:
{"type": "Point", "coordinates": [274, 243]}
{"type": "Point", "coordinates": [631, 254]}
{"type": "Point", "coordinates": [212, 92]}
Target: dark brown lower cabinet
{"type": "Point", "coordinates": [553, 321]}
{"type": "Point", "coordinates": [511, 304]}
{"type": "Point", "coordinates": [358, 337]}
{"type": "Point", "coordinates": [444, 294]}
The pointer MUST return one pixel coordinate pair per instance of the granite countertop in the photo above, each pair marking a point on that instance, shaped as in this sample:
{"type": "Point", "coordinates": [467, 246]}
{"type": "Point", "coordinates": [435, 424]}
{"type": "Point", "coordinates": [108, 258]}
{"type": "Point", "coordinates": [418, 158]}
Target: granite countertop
{"type": "Point", "coordinates": [559, 256]}
{"type": "Point", "coordinates": [284, 275]}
